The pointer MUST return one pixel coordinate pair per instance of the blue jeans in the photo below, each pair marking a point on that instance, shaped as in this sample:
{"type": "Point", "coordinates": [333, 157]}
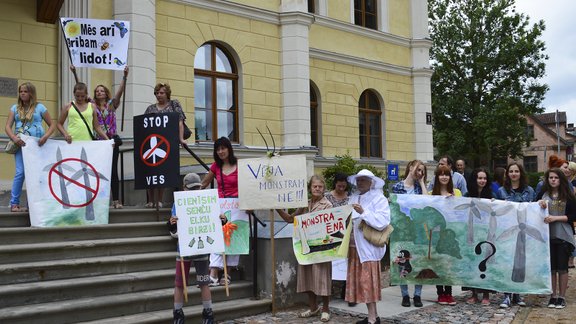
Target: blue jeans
{"type": "Point", "coordinates": [417, 290]}
{"type": "Point", "coordinates": [18, 179]}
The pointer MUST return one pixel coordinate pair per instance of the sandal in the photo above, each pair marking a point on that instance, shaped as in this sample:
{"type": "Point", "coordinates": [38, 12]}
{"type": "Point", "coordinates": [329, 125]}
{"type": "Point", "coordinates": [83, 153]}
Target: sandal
{"type": "Point", "coordinates": [117, 205]}
{"type": "Point", "coordinates": [149, 205]}
{"type": "Point", "coordinates": [213, 282]}
{"type": "Point", "coordinates": [485, 302]}
{"type": "Point", "coordinates": [310, 313]}
{"type": "Point", "coordinates": [15, 208]}
{"type": "Point", "coordinates": [471, 300]}
{"type": "Point", "coordinates": [325, 317]}
{"type": "Point", "coordinates": [225, 281]}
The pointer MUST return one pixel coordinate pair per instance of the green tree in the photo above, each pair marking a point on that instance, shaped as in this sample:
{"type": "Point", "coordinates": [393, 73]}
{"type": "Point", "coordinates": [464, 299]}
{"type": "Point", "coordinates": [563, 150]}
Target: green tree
{"type": "Point", "coordinates": [487, 62]}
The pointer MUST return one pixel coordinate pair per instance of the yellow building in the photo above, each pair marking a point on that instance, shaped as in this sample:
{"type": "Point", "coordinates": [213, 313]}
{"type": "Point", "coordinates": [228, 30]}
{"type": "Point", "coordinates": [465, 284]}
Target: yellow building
{"type": "Point", "coordinates": [327, 77]}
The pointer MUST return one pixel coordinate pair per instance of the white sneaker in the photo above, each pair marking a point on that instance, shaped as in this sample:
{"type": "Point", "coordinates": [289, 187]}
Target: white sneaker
{"type": "Point", "coordinates": [505, 303]}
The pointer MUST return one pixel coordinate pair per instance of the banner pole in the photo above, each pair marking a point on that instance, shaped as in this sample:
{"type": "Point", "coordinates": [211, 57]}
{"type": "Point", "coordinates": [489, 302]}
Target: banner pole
{"type": "Point", "coordinates": [225, 264]}
{"type": "Point", "coordinates": [273, 261]}
{"type": "Point", "coordinates": [185, 284]}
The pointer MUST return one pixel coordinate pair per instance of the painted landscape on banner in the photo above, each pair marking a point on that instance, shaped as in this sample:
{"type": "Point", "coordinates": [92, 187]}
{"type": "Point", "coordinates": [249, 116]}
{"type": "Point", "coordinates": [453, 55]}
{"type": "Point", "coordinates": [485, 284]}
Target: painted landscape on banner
{"type": "Point", "coordinates": [272, 182]}
{"type": "Point", "coordinates": [237, 230]}
{"type": "Point", "coordinates": [68, 184]}
{"type": "Point", "coordinates": [199, 225]}
{"type": "Point", "coordinates": [481, 243]}
{"type": "Point", "coordinates": [323, 235]}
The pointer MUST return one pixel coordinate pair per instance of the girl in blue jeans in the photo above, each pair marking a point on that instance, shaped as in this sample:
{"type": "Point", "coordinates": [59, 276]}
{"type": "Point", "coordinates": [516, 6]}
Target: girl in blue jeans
{"type": "Point", "coordinates": [26, 116]}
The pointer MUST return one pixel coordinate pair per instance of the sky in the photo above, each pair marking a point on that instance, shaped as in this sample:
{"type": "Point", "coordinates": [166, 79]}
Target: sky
{"type": "Point", "coordinates": [560, 39]}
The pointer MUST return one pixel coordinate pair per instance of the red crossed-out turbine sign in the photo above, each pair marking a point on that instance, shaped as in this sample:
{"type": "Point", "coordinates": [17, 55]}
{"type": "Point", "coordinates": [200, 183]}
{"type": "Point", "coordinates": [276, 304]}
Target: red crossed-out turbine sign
{"type": "Point", "coordinates": [156, 157]}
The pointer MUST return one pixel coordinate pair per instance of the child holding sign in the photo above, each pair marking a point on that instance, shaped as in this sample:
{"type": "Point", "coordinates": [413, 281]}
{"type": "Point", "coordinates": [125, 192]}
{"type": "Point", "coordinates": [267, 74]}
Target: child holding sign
{"type": "Point", "coordinates": [201, 263]}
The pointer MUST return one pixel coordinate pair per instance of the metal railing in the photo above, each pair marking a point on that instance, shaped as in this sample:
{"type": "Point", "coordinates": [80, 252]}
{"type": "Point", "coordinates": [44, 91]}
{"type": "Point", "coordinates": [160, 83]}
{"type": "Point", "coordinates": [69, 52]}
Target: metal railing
{"type": "Point", "coordinates": [253, 219]}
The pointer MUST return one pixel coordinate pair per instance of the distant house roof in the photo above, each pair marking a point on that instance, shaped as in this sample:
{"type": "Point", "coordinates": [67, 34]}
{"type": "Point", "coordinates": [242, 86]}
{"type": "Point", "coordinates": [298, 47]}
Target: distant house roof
{"type": "Point", "coordinates": [550, 132]}
{"type": "Point", "coordinates": [550, 118]}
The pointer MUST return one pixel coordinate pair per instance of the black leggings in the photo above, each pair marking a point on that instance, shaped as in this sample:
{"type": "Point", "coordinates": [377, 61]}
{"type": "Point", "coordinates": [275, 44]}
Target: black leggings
{"type": "Point", "coordinates": [115, 182]}
{"type": "Point", "coordinates": [443, 290]}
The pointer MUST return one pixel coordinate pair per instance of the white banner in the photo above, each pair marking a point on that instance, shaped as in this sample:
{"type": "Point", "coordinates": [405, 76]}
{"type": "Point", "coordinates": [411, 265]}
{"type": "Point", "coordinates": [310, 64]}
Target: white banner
{"type": "Point", "coordinates": [199, 225]}
{"type": "Point", "coordinates": [68, 184]}
{"type": "Point", "coordinates": [97, 43]}
{"type": "Point", "coordinates": [269, 183]}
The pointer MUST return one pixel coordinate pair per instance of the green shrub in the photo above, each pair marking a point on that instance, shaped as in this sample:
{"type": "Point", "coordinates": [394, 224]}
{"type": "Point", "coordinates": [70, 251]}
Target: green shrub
{"type": "Point", "coordinates": [347, 165]}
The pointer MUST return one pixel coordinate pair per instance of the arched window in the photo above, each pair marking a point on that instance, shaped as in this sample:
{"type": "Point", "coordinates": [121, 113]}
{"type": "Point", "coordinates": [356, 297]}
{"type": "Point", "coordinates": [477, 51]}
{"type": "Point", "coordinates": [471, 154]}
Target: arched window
{"type": "Point", "coordinates": [215, 94]}
{"type": "Point", "coordinates": [370, 116]}
{"type": "Point", "coordinates": [313, 117]}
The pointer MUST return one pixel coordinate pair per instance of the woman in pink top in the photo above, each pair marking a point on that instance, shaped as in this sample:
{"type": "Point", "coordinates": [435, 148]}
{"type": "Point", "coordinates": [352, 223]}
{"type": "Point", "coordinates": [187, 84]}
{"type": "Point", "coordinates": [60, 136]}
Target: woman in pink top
{"type": "Point", "coordinates": [225, 171]}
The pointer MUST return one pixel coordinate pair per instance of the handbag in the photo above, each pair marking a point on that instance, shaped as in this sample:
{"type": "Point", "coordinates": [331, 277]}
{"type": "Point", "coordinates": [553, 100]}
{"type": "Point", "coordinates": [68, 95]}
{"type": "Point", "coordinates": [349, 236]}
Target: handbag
{"type": "Point", "coordinates": [374, 236]}
{"type": "Point", "coordinates": [85, 123]}
{"type": "Point", "coordinates": [187, 132]}
{"type": "Point", "coordinates": [11, 147]}
{"type": "Point", "coordinates": [117, 140]}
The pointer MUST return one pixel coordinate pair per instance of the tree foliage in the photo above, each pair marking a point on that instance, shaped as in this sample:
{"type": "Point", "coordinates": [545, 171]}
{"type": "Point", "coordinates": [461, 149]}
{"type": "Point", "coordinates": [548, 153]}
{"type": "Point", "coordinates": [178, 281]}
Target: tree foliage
{"type": "Point", "coordinates": [487, 62]}
{"type": "Point", "coordinates": [345, 164]}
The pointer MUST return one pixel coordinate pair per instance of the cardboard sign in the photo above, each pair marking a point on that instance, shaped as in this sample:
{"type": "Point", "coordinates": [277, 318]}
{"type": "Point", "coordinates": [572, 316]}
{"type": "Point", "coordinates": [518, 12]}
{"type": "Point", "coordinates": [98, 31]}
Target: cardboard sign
{"type": "Point", "coordinates": [199, 225]}
{"type": "Point", "coordinates": [276, 182]}
{"type": "Point", "coordinates": [156, 151]}
{"type": "Point", "coordinates": [323, 235]}
{"type": "Point", "coordinates": [97, 43]}
{"type": "Point", "coordinates": [496, 245]}
{"type": "Point", "coordinates": [237, 229]}
{"type": "Point", "coordinates": [67, 184]}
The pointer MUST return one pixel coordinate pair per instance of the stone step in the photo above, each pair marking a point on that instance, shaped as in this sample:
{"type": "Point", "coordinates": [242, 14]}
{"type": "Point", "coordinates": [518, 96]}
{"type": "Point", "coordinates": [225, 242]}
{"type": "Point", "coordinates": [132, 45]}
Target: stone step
{"type": "Point", "coordinates": [24, 235]}
{"type": "Point", "coordinates": [97, 308]}
{"type": "Point", "coordinates": [84, 249]}
{"type": "Point", "coordinates": [55, 290]}
{"type": "Point", "coordinates": [129, 214]}
{"type": "Point", "coordinates": [226, 310]}
{"type": "Point", "coordinates": [84, 267]}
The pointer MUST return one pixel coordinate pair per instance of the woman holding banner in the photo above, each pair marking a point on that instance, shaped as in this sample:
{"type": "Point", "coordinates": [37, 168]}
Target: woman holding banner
{"type": "Point", "coordinates": [106, 111]}
{"type": "Point", "coordinates": [363, 283]}
{"type": "Point", "coordinates": [225, 171]}
{"type": "Point", "coordinates": [314, 279]}
{"type": "Point", "coordinates": [414, 183]}
{"type": "Point", "coordinates": [561, 203]}
{"type": "Point", "coordinates": [164, 105]}
{"type": "Point", "coordinates": [27, 116]}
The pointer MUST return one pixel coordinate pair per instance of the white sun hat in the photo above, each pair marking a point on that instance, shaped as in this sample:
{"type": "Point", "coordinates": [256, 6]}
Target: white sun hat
{"type": "Point", "coordinates": [376, 182]}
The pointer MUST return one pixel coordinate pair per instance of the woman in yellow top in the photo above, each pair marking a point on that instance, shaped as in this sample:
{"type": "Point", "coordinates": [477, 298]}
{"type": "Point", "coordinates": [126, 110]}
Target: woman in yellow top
{"type": "Point", "coordinates": [78, 130]}
{"type": "Point", "coordinates": [444, 187]}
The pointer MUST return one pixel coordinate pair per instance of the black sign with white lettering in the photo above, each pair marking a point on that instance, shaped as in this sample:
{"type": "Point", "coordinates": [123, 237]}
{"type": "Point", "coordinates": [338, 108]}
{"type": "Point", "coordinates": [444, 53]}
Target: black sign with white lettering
{"type": "Point", "coordinates": [156, 151]}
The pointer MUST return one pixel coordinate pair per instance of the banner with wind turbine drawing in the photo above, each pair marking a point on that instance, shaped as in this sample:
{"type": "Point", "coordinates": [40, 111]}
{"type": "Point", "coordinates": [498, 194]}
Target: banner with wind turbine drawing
{"type": "Point", "coordinates": [472, 242]}
{"type": "Point", "coordinates": [67, 184]}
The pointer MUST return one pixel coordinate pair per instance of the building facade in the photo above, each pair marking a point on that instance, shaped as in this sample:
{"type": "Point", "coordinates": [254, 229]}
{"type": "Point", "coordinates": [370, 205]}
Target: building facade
{"type": "Point", "coordinates": [325, 77]}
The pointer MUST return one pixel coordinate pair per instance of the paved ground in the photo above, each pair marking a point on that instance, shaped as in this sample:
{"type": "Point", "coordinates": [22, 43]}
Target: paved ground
{"type": "Point", "coordinates": [391, 311]}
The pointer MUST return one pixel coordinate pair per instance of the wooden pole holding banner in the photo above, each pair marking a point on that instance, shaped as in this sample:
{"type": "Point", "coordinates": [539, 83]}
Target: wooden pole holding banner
{"type": "Point", "coordinates": [225, 264]}
{"type": "Point", "coordinates": [184, 283]}
{"type": "Point", "coordinates": [273, 262]}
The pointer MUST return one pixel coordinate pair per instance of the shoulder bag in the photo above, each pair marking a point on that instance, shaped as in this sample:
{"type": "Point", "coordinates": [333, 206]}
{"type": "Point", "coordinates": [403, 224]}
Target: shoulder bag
{"type": "Point", "coordinates": [374, 236]}
{"type": "Point", "coordinates": [11, 147]}
{"type": "Point", "coordinates": [187, 132]}
{"type": "Point", "coordinates": [84, 120]}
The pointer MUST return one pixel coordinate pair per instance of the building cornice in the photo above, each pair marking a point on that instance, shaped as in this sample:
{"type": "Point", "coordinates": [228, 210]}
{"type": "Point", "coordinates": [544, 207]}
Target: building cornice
{"type": "Point", "coordinates": [421, 43]}
{"type": "Point", "coordinates": [359, 62]}
{"type": "Point", "coordinates": [296, 17]}
{"type": "Point", "coordinates": [233, 8]}
{"type": "Point", "coordinates": [362, 31]}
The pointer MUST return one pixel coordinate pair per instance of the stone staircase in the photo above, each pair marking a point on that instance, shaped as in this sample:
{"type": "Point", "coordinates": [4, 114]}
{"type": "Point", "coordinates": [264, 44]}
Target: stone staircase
{"type": "Point", "coordinates": [117, 273]}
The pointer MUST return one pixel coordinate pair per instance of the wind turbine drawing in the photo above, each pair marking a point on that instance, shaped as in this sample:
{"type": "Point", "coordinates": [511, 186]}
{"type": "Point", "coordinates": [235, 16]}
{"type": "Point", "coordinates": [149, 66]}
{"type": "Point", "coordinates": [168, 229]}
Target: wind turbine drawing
{"type": "Point", "coordinates": [154, 151]}
{"type": "Point", "coordinates": [522, 229]}
{"type": "Point", "coordinates": [493, 210]}
{"type": "Point", "coordinates": [63, 190]}
{"type": "Point", "coordinates": [472, 212]}
{"type": "Point", "coordinates": [86, 172]}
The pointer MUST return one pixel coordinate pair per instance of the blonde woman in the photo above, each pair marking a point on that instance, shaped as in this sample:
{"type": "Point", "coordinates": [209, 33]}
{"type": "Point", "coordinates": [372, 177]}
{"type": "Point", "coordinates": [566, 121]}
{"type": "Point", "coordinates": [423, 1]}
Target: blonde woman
{"type": "Point", "coordinates": [26, 116]}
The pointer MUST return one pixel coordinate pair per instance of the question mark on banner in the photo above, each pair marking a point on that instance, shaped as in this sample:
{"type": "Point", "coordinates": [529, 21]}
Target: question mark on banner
{"type": "Point", "coordinates": [478, 250]}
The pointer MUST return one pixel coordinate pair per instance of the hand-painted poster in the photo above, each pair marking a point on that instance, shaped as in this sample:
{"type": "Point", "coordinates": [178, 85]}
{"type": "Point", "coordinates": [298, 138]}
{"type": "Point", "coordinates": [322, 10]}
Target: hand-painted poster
{"type": "Point", "coordinates": [237, 230]}
{"type": "Point", "coordinates": [497, 245]}
{"type": "Point", "coordinates": [68, 184]}
{"type": "Point", "coordinates": [97, 43]}
{"type": "Point", "coordinates": [272, 182]}
{"type": "Point", "coordinates": [323, 235]}
{"type": "Point", "coordinates": [199, 225]}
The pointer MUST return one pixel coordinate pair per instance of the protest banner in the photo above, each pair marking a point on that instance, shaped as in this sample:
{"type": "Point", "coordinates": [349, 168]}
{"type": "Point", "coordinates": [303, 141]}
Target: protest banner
{"type": "Point", "coordinates": [156, 151]}
{"type": "Point", "coordinates": [272, 182]}
{"type": "Point", "coordinates": [67, 184]}
{"type": "Point", "coordinates": [237, 229]}
{"type": "Point", "coordinates": [199, 225]}
{"type": "Point", "coordinates": [323, 235]}
{"type": "Point", "coordinates": [470, 242]}
{"type": "Point", "coordinates": [97, 43]}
